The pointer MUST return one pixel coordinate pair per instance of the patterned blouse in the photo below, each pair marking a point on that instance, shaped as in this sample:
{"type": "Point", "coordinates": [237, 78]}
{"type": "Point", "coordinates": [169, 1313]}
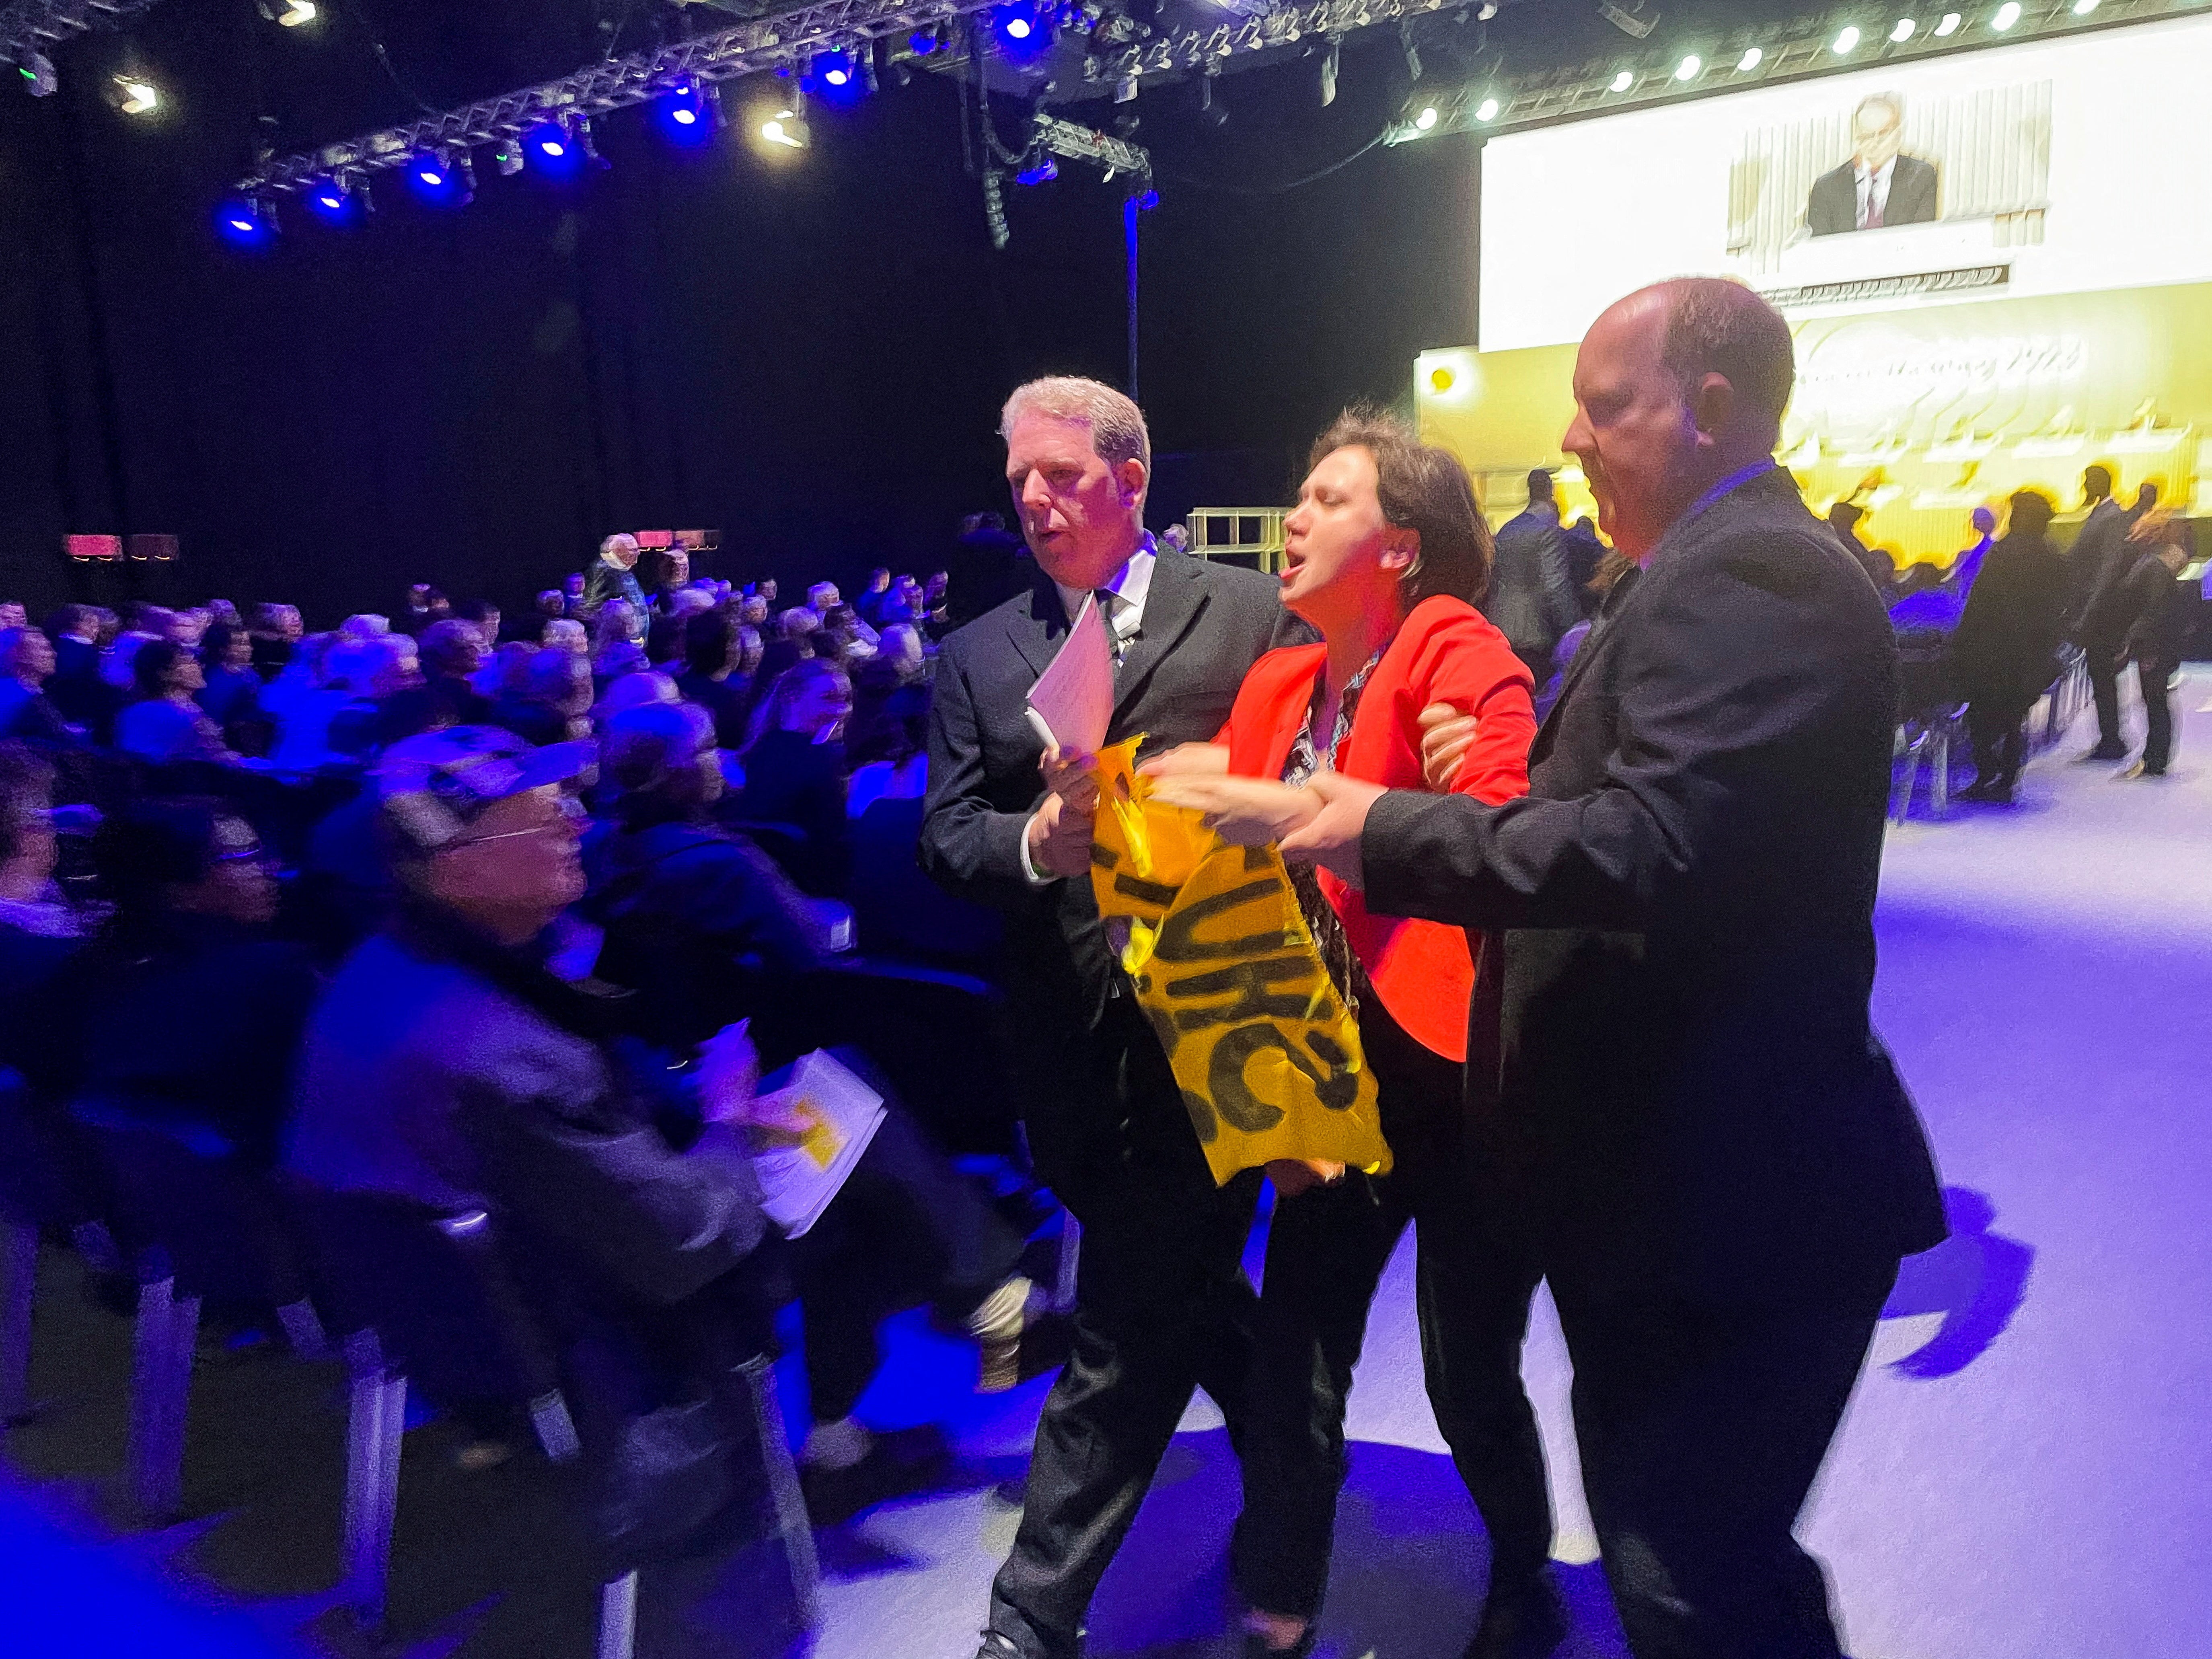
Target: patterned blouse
{"type": "Point", "coordinates": [1337, 956]}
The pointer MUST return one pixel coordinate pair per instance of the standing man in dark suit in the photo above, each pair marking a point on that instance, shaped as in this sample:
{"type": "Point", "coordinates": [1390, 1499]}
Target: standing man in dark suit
{"type": "Point", "coordinates": [1877, 187]}
{"type": "Point", "coordinates": [1531, 600]}
{"type": "Point", "coordinates": [2096, 564]}
{"type": "Point", "coordinates": [1720, 1165]}
{"type": "Point", "coordinates": [2005, 648]}
{"type": "Point", "coordinates": [1162, 1305]}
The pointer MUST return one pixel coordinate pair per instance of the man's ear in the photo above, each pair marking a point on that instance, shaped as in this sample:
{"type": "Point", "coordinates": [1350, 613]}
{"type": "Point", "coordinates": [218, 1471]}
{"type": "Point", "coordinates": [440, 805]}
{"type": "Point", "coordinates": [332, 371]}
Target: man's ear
{"type": "Point", "coordinates": [1132, 478]}
{"type": "Point", "coordinates": [1713, 405]}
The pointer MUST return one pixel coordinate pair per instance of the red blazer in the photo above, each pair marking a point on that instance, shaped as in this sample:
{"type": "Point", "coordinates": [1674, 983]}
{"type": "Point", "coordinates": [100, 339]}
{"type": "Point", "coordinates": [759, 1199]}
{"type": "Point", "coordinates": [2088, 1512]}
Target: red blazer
{"type": "Point", "coordinates": [1446, 651]}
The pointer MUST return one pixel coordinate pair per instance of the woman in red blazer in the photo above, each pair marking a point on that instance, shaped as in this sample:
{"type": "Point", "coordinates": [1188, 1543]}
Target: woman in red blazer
{"type": "Point", "coordinates": [1383, 553]}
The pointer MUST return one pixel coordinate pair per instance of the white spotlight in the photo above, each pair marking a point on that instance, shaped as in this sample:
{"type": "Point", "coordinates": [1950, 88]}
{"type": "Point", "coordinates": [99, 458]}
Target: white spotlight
{"type": "Point", "coordinates": [135, 95]}
{"type": "Point", "coordinates": [2083, 7]}
{"type": "Point", "coordinates": [1622, 82]}
{"type": "Point", "coordinates": [1688, 67]}
{"type": "Point", "coordinates": [1949, 26]}
{"type": "Point", "coordinates": [1426, 120]}
{"type": "Point", "coordinates": [290, 13]}
{"type": "Point", "coordinates": [1751, 60]}
{"type": "Point", "coordinates": [1845, 43]}
{"type": "Point", "coordinates": [785, 128]}
{"type": "Point", "coordinates": [2008, 14]}
{"type": "Point", "coordinates": [1905, 31]}
{"type": "Point", "coordinates": [1486, 110]}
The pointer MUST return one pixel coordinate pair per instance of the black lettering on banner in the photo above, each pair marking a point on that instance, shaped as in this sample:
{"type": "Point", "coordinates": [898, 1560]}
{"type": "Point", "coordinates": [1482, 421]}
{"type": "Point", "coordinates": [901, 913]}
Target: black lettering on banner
{"type": "Point", "coordinates": [1104, 857]}
{"type": "Point", "coordinates": [1179, 941]}
{"type": "Point", "coordinates": [1201, 1117]}
{"type": "Point", "coordinates": [1255, 860]}
{"type": "Point", "coordinates": [1224, 1077]}
{"type": "Point", "coordinates": [1337, 1088]}
{"type": "Point", "coordinates": [1145, 892]}
{"type": "Point", "coordinates": [1252, 986]}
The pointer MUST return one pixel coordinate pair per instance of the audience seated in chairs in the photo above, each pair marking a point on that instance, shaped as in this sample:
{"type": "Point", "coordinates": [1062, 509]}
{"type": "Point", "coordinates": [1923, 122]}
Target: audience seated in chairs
{"type": "Point", "coordinates": [184, 1008]}
{"type": "Point", "coordinates": [27, 664]}
{"type": "Point", "coordinates": [703, 928]}
{"type": "Point", "coordinates": [795, 773]}
{"type": "Point", "coordinates": [166, 725]}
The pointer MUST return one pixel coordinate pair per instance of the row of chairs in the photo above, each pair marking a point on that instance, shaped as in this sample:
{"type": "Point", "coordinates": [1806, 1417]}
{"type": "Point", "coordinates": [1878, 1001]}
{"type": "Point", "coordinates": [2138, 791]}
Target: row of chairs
{"type": "Point", "coordinates": [423, 1300]}
{"type": "Point", "coordinates": [1934, 724]}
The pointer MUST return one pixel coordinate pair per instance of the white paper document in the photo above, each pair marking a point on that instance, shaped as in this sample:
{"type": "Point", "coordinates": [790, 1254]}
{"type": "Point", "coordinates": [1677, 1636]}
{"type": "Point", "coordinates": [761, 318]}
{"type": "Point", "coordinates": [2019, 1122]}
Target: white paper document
{"type": "Point", "coordinates": [841, 1114]}
{"type": "Point", "coordinates": [1071, 704]}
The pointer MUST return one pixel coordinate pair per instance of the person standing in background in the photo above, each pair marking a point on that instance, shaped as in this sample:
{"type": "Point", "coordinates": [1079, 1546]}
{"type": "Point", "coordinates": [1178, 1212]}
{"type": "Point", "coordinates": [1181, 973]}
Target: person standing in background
{"type": "Point", "coordinates": [2149, 600]}
{"type": "Point", "coordinates": [1532, 599]}
{"type": "Point", "coordinates": [2099, 558]}
{"type": "Point", "coordinates": [613, 577]}
{"type": "Point", "coordinates": [2007, 643]}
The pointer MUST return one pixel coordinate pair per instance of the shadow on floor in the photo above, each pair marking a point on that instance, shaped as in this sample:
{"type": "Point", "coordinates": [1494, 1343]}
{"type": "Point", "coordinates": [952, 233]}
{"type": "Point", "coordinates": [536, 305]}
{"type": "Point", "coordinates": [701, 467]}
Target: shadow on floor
{"type": "Point", "coordinates": [1976, 1279]}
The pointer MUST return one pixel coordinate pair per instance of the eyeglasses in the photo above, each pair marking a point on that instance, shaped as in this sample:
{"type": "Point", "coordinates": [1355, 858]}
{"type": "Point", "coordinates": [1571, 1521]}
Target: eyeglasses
{"type": "Point", "coordinates": [569, 818]}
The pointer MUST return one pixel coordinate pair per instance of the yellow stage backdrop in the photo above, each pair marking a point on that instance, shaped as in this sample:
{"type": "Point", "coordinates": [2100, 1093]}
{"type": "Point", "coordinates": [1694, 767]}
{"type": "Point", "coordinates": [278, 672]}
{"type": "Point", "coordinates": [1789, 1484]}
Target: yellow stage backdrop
{"type": "Point", "coordinates": [1920, 414]}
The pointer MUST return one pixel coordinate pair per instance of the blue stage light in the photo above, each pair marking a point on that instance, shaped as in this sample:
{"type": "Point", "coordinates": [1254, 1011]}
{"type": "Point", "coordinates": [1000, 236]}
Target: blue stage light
{"type": "Point", "coordinates": [922, 42]}
{"type": "Point", "coordinates": [1042, 173]}
{"type": "Point", "coordinates": [440, 180]}
{"type": "Point", "coordinates": [246, 224]}
{"type": "Point", "coordinates": [835, 77]}
{"type": "Point", "coordinates": [689, 114]}
{"type": "Point", "coordinates": [554, 149]}
{"type": "Point", "coordinates": [333, 202]}
{"type": "Point", "coordinates": [1023, 31]}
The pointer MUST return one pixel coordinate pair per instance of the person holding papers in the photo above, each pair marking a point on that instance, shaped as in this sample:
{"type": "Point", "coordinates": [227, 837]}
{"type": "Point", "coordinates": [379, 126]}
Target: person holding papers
{"type": "Point", "coordinates": [1162, 1306]}
{"type": "Point", "coordinates": [1383, 554]}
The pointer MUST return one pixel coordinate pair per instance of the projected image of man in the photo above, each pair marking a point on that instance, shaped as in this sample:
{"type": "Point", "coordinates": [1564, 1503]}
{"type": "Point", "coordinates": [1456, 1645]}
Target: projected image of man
{"type": "Point", "coordinates": [1879, 186]}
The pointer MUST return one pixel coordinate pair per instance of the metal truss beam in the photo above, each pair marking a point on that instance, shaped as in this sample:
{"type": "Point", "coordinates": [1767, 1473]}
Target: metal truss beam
{"type": "Point", "coordinates": [724, 54]}
{"type": "Point", "coordinates": [30, 26]}
{"type": "Point", "coordinates": [1262, 30]}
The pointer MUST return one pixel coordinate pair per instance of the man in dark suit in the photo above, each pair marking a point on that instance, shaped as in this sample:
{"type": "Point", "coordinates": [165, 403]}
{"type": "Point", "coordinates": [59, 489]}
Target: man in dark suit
{"type": "Point", "coordinates": [75, 687]}
{"type": "Point", "coordinates": [1531, 600]}
{"type": "Point", "coordinates": [1162, 1306]}
{"type": "Point", "coordinates": [2096, 564]}
{"type": "Point", "coordinates": [1877, 187]}
{"type": "Point", "coordinates": [1718, 1163]}
{"type": "Point", "coordinates": [2006, 648]}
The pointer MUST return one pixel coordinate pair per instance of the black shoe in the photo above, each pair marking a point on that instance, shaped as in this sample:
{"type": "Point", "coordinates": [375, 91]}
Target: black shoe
{"type": "Point", "coordinates": [898, 1465]}
{"type": "Point", "coordinates": [2107, 751]}
{"type": "Point", "coordinates": [1526, 1622]}
{"type": "Point", "coordinates": [2139, 770]}
{"type": "Point", "coordinates": [998, 1646]}
{"type": "Point", "coordinates": [1986, 791]}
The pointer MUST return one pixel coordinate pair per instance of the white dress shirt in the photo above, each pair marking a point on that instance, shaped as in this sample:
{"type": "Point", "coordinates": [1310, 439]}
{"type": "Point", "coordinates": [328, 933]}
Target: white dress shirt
{"type": "Point", "coordinates": [1123, 595]}
{"type": "Point", "coordinates": [1873, 191]}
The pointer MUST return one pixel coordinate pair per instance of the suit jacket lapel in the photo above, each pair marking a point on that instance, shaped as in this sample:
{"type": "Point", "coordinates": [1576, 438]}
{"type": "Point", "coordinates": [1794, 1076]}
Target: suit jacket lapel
{"type": "Point", "coordinates": [1036, 631]}
{"type": "Point", "coordinates": [1171, 605]}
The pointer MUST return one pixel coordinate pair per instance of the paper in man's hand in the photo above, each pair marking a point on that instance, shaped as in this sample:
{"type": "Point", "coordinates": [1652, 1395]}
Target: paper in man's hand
{"type": "Point", "coordinates": [1071, 704]}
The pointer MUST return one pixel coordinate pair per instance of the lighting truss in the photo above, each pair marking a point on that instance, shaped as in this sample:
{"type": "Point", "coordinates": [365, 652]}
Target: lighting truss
{"type": "Point", "coordinates": [724, 54]}
{"type": "Point", "coordinates": [1796, 51]}
{"type": "Point", "coordinates": [30, 26]}
{"type": "Point", "coordinates": [1254, 30]}
{"type": "Point", "coordinates": [1074, 143]}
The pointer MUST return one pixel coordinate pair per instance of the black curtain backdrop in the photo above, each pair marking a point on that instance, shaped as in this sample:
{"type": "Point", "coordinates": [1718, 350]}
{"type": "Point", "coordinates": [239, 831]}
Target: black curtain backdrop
{"type": "Point", "coordinates": [808, 355]}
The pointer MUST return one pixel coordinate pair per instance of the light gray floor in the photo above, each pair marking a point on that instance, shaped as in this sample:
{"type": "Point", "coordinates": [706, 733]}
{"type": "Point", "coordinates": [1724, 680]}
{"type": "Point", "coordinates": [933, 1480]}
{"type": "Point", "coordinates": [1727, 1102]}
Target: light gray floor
{"type": "Point", "coordinates": [2046, 984]}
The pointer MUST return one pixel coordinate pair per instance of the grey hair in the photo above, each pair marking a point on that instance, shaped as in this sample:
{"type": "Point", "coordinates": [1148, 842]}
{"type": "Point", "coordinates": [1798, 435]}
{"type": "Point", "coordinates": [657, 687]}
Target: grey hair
{"type": "Point", "coordinates": [1889, 101]}
{"type": "Point", "coordinates": [1117, 425]}
{"type": "Point", "coordinates": [621, 538]}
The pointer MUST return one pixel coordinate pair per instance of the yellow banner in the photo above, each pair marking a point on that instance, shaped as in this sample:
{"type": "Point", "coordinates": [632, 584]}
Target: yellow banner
{"type": "Point", "coordinates": [1267, 1055]}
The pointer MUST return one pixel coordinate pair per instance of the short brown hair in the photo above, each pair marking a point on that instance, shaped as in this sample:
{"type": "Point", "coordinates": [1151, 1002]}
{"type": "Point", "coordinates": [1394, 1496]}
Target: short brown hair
{"type": "Point", "coordinates": [1715, 326]}
{"type": "Point", "coordinates": [1423, 488]}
